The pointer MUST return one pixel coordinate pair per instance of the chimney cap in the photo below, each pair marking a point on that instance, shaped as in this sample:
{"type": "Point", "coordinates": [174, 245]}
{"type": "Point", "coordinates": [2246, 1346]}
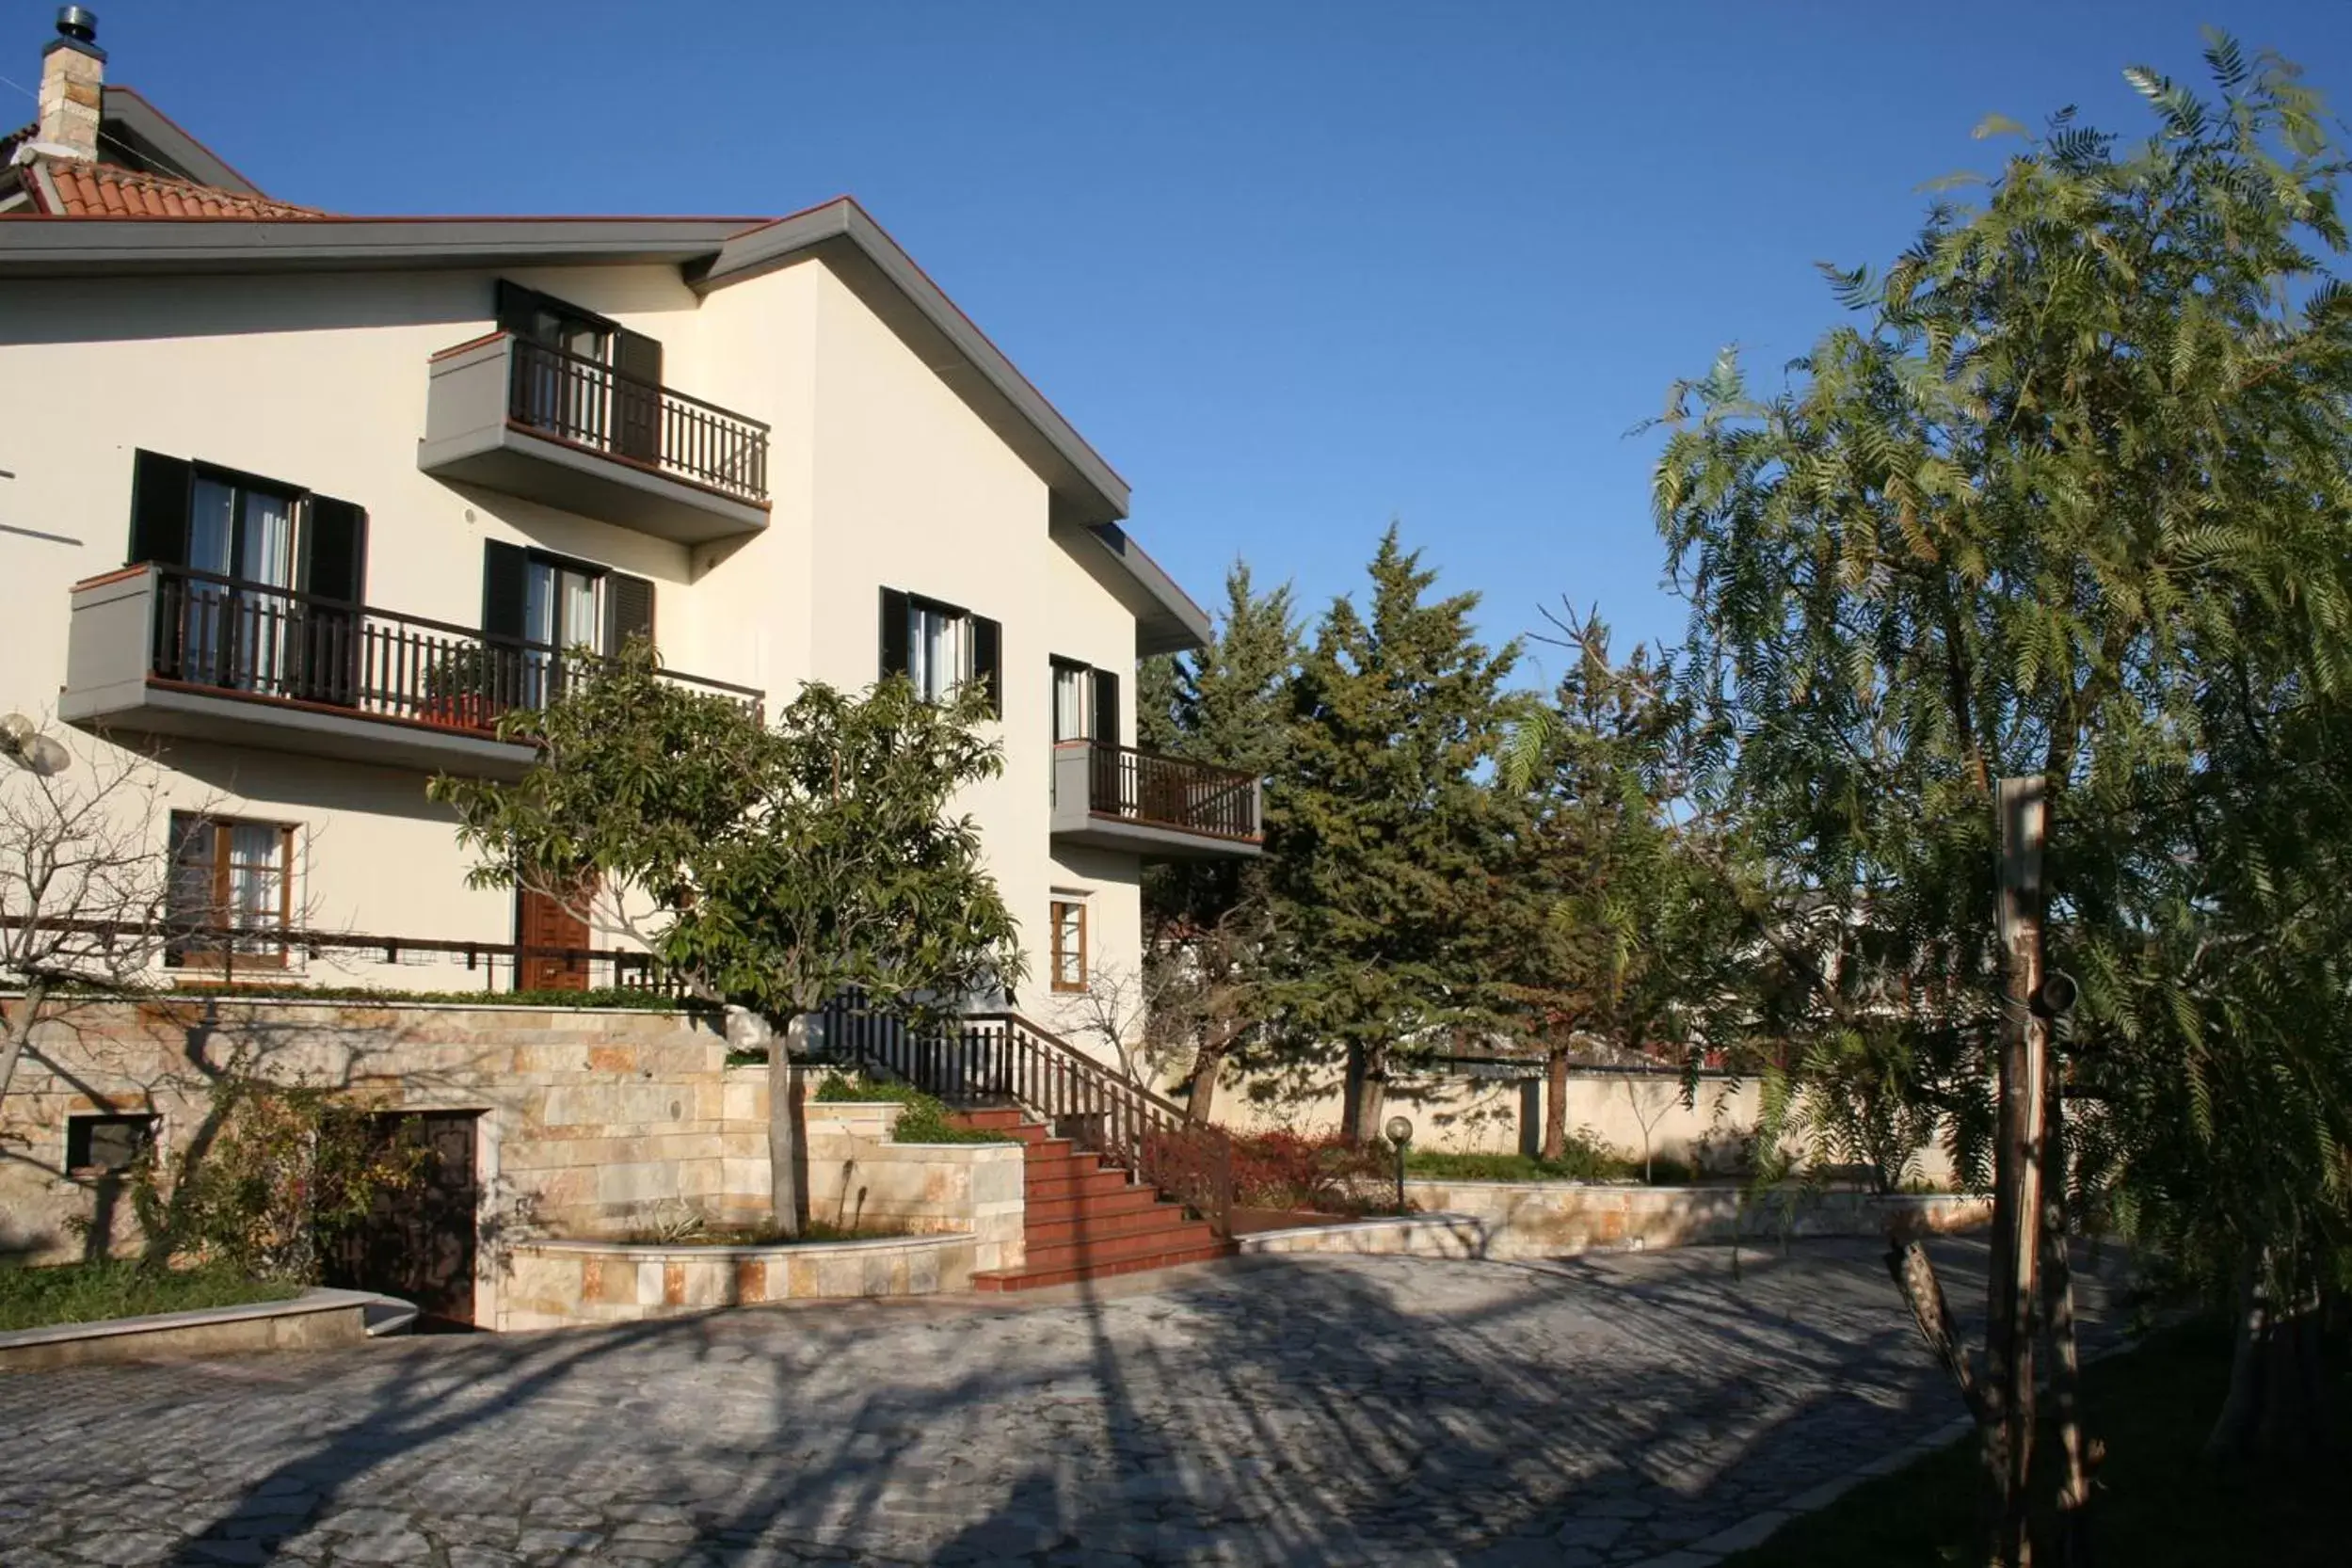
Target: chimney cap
{"type": "Point", "coordinates": [78, 23]}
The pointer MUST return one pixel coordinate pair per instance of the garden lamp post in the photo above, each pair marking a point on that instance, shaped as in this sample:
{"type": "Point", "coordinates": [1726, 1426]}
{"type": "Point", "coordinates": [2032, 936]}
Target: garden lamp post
{"type": "Point", "coordinates": [1399, 1131]}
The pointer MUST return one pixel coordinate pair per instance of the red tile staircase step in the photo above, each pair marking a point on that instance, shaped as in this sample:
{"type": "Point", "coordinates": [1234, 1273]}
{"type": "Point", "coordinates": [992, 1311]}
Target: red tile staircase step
{"type": "Point", "coordinates": [1004, 1281]}
{"type": "Point", "coordinates": [1085, 1219]}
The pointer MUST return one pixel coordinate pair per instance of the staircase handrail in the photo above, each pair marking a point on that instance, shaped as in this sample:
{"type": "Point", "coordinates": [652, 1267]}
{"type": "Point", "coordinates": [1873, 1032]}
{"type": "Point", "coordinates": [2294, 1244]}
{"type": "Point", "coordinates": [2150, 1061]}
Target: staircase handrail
{"type": "Point", "coordinates": [1002, 1054]}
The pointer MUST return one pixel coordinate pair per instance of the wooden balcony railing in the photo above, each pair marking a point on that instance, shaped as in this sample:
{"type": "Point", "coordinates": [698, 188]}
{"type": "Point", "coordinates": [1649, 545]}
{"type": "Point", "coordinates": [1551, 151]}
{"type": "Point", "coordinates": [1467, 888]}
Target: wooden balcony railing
{"type": "Point", "coordinates": [1168, 792]}
{"type": "Point", "coordinates": [590, 404]}
{"type": "Point", "coordinates": [249, 639]}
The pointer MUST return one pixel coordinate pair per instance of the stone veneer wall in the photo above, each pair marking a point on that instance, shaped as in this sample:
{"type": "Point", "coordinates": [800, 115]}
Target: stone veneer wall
{"type": "Point", "coordinates": [1559, 1219]}
{"type": "Point", "coordinates": [591, 1120]}
{"type": "Point", "coordinates": [1516, 1220]}
{"type": "Point", "coordinates": [561, 1284]}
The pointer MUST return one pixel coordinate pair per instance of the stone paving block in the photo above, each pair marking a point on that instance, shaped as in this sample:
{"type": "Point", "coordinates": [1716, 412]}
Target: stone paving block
{"type": "Point", "coordinates": [1362, 1410]}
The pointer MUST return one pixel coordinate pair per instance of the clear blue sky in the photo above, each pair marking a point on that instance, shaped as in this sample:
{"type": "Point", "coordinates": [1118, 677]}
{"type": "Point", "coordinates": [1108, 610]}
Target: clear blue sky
{"type": "Point", "coordinates": [1294, 268]}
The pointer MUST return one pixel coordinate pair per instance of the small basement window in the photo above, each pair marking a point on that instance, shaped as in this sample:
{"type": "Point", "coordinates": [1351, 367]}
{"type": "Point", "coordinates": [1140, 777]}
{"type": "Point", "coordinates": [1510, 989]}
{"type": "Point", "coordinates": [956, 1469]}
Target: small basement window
{"type": "Point", "coordinates": [106, 1142]}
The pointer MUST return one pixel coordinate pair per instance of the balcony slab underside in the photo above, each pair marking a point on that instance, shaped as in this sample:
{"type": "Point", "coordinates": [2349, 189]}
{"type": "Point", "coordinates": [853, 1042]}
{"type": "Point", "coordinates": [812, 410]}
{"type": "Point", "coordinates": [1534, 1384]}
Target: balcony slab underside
{"type": "Point", "coordinates": [514, 459]}
{"type": "Point", "coordinates": [168, 709]}
{"type": "Point", "coordinates": [1093, 830]}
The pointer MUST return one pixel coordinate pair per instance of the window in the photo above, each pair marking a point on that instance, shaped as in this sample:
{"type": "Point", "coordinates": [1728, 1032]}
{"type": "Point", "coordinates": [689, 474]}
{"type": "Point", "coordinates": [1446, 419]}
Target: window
{"type": "Point", "coordinates": [1085, 703]}
{"type": "Point", "coordinates": [553, 604]}
{"type": "Point", "coordinates": [941, 647]}
{"type": "Point", "coordinates": [106, 1142]}
{"type": "Point", "coordinates": [261, 579]}
{"type": "Point", "coordinates": [234, 874]}
{"type": "Point", "coordinates": [1069, 944]}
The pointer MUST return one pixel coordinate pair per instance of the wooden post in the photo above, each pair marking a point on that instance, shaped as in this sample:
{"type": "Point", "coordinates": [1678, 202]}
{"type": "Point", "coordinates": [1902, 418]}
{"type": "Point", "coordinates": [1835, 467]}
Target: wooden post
{"type": "Point", "coordinates": [2077, 1453]}
{"type": "Point", "coordinates": [2008, 1387]}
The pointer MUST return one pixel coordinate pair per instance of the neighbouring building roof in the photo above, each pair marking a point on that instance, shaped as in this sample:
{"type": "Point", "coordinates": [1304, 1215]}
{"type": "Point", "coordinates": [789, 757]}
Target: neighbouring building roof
{"type": "Point", "coordinates": [74, 187]}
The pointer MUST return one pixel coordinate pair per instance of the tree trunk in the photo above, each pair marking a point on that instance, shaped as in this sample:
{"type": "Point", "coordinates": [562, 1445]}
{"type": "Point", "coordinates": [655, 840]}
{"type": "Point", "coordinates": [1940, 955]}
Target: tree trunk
{"type": "Point", "coordinates": [2276, 1403]}
{"type": "Point", "coordinates": [1200, 1097]}
{"type": "Point", "coordinates": [748, 1031]}
{"type": "Point", "coordinates": [1556, 1103]}
{"type": "Point", "coordinates": [2075, 1451]}
{"type": "Point", "coordinates": [1367, 1091]}
{"type": "Point", "coordinates": [21, 1020]}
{"type": "Point", "coordinates": [2009, 1384]}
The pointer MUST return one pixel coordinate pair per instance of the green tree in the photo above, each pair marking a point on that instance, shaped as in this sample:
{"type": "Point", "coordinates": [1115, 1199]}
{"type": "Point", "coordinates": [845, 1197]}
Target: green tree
{"type": "Point", "coordinates": [2084, 455]}
{"type": "Point", "coordinates": [1604, 918]}
{"type": "Point", "coordinates": [1208, 929]}
{"type": "Point", "coordinates": [769, 867]}
{"type": "Point", "coordinates": [1377, 855]}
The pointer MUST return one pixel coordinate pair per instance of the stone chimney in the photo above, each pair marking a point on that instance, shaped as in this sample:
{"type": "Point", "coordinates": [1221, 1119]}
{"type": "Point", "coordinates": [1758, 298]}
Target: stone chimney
{"type": "Point", "coordinates": [73, 73]}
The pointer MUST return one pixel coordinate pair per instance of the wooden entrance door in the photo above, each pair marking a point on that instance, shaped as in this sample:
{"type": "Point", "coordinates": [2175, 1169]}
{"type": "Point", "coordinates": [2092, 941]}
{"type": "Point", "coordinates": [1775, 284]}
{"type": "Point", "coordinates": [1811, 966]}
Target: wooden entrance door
{"type": "Point", "coordinates": [540, 921]}
{"type": "Point", "coordinates": [419, 1245]}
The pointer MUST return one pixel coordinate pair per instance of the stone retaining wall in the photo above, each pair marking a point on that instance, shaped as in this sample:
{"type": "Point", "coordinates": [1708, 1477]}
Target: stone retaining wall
{"type": "Point", "coordinates": [560, 1283]}
{"type": "Point", "coordinates": [592, 1121]}
{"type": "Point", "coordinates": [1559, 1219]}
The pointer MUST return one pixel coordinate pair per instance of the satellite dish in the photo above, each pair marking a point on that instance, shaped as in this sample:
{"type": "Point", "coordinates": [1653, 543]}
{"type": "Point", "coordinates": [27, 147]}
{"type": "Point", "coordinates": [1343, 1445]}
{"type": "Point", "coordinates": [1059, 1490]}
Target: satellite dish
{"type": "Point", "coordinates": [22, 742]}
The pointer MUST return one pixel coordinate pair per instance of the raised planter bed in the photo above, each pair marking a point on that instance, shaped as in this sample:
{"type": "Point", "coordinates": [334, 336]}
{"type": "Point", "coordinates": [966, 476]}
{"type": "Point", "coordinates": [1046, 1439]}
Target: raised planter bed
{"type": "Point", "coordinates": [312, 1321]}
{"type": "Point", "coordinates": [559, 1283]}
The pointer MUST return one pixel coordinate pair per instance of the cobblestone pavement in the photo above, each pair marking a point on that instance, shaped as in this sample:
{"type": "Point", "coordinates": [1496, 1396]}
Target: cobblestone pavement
{"type": "Point", "coordinates": [1610, 1410]}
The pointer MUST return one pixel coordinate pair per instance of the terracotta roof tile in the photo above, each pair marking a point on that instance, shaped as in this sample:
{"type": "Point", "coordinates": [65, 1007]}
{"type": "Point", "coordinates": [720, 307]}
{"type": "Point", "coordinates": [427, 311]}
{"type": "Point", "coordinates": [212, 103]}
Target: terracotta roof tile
{"type": "Point", "coordinates": [106, 190]}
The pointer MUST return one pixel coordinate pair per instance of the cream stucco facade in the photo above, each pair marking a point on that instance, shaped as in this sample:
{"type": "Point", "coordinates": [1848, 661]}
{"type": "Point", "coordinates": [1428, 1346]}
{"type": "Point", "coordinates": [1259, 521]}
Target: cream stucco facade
{"type": "Point", "coordinates": [896, 460]}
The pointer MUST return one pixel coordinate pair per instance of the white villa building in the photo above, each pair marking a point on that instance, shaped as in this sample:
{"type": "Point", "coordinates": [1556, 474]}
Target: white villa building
{"type": "Point", "coordinates": [300, 501]}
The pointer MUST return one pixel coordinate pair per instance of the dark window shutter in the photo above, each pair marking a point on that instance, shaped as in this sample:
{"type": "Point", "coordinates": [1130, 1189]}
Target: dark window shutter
{"type": "Point", "coordinates": [334, 551]}
{"type": "Point", "coordinates": [627, 610]}
{"type": "Point", "coordinates": [893, 633]}
{"type": "Point", "coordinates": [1105, 708]}
{"type": "Point", "coordinates": [635, 353]}
{"type": "Point", "coordinates": [159, 508]}
{"type": "Point", "coordinates": [516, 307]}
{"type": "Point", "coordinates": [988, 660]}
{"type": "Point", "coordinates": [505, 589]}
{"type": "Point", "coordinates": [636, 395]}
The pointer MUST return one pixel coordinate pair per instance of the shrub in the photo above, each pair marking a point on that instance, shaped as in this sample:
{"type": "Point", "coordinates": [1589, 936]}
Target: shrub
{"type": "Point", "coordinates": [1326, 1175]}
{"type": "Point", "coordinates": [286, 1170]}
{"type": "Point", "coordinates": [924, 1121]}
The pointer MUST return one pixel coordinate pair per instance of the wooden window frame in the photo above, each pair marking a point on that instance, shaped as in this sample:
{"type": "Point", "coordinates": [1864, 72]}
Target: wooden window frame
{"type": "Point", "coordinates": [1059, 952]}
{"type": "Point", "coordinates": [213, 951]}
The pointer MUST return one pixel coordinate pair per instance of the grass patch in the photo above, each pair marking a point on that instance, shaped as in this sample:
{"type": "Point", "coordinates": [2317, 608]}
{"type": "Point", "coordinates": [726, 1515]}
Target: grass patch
{"type": "Point", "coordinates": [91, 1292]}
{"type": "Point", "coordinates": [1581, 1160]}
{"type": "Point", "coordinates": [2158, 1503]}
{"type": "Point", "coordinates": [924, 1121]}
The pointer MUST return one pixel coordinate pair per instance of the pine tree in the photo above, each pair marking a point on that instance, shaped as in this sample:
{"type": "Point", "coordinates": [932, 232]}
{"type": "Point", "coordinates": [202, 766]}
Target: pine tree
{"type": "Point", "coordinates": [1208, 935]}
{"type": "Point", "coordinates": [1377, 855]}
{"type": "Point", "coordinates": [1605, 918]}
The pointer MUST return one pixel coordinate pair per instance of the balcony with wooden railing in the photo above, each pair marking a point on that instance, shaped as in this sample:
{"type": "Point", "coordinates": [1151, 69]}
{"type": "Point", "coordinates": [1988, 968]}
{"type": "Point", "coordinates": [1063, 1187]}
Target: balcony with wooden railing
{"type": "Point", "coordinates": [1118, 797]}
{"type": "Point", "coordinates": [531, 420]}
{"type": "Point", "coordinates": [166, 650]}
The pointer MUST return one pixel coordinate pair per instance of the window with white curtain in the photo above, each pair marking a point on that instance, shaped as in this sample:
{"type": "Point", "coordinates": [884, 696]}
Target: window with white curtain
{"type": "Point", "coordinates": [233, 874]}
{"type": "Point", "coordinates": [1072, 701]}
{"type": "Point", "coordinates": [938, 649]}
{"type": "Point", "coordinates": [236, 528]}
{"type": "Point", "coordinates": [1069, 944]}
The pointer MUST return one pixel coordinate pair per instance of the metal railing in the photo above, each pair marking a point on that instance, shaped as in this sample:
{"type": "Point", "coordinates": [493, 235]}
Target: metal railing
{"type": "Point", "coordinates": [985, 1057]}
{"type": "Point", "coordinates": [590, 404]}
{"type": "Point", "coordinates": [250, 639]}
{"type": "Point", "coordinates": [260, 951]}
{"type": "Point", "coordinates": [1168, 792]}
